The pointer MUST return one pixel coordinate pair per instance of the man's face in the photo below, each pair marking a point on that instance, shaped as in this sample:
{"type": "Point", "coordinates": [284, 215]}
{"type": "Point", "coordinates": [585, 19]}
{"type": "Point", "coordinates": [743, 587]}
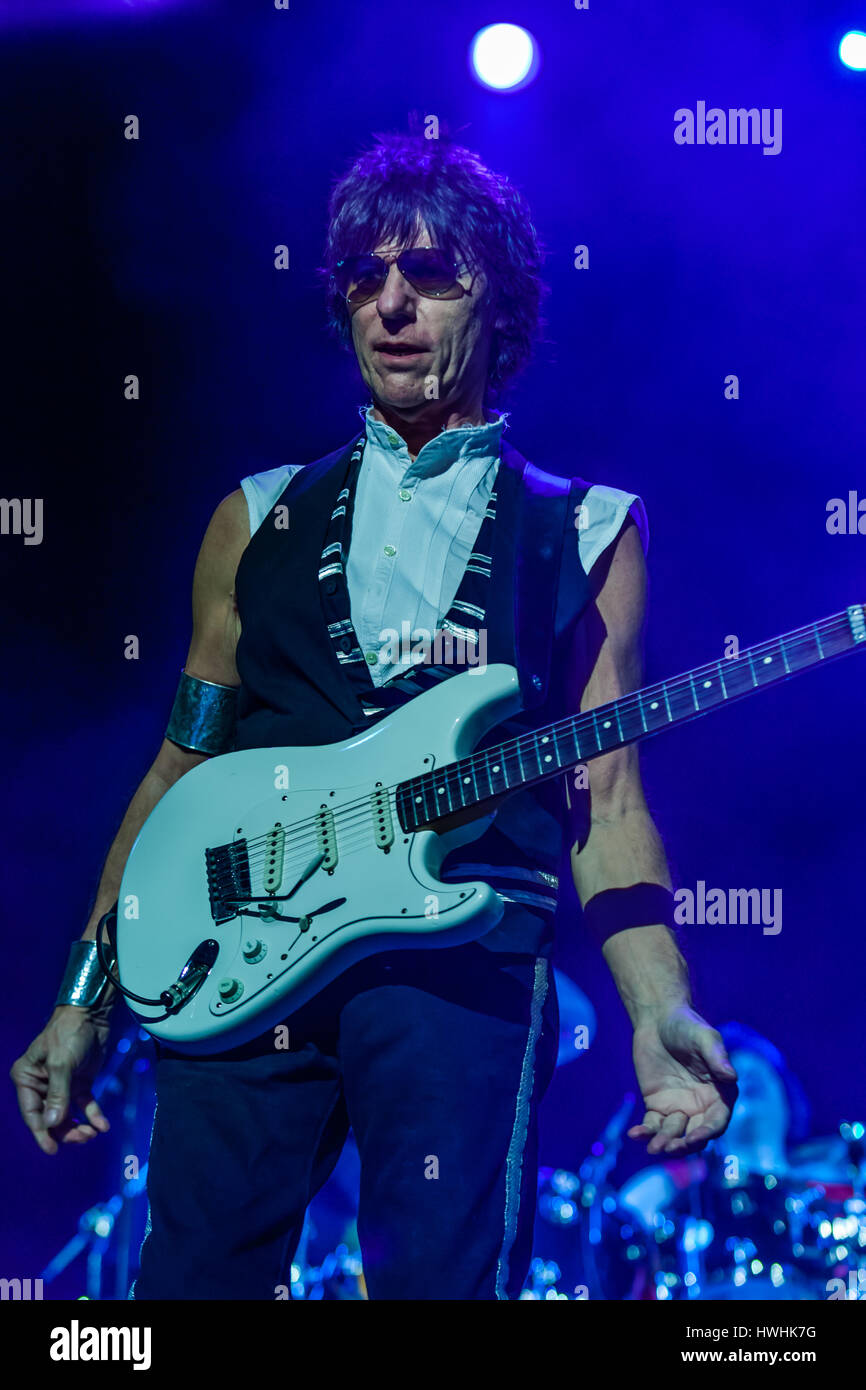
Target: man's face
{"type": "Point", "coordinates": [450, 339]}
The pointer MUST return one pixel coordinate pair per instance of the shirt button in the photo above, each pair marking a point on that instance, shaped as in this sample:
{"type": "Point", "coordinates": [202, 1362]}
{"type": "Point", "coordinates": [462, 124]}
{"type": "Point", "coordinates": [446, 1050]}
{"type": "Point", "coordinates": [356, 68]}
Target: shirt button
{"type": "Point", "coordinates": [346, 643]}
{"type": "Point", "coordinates": [372, 658]}
{"type": "Point", "coordinates": [390, 549]}
{"type": "Point", "coordinates": [330, 586]}
{"type": "Point", "coordinates": [405, 495]}
{"type": "Point", "coordinates": [394, 438]}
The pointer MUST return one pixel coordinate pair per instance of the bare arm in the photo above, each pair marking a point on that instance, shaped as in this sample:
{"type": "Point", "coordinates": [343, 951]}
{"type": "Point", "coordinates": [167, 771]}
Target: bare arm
{"type": "Point", "coordinates": [685, 1075]}
{"type": "Point", "coordinates": [624, 846]}
{"type": "Point", "coordinates": [211, 657]}
{"type": "Point", "coordinates": [59, 1066]}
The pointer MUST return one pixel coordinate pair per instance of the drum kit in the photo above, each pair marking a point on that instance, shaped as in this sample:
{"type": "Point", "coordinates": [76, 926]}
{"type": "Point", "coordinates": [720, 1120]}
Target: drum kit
{"type": "Point", "coordinates": [690, 1230]}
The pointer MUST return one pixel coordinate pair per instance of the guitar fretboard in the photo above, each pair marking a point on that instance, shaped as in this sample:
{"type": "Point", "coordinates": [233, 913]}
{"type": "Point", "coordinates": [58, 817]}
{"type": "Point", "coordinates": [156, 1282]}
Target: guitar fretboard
{"type": "Point", "coordinates": [546, 752]}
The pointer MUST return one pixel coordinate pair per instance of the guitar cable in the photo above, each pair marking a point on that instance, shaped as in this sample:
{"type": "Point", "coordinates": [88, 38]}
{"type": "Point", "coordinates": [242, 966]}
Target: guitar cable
{"type": "Point", "coordinates": [166, 998]}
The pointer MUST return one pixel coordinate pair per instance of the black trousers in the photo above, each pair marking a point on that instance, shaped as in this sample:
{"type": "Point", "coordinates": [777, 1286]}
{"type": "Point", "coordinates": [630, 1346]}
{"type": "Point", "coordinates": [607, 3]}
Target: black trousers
{"type": "Point", "coordinates": [437, 1059]}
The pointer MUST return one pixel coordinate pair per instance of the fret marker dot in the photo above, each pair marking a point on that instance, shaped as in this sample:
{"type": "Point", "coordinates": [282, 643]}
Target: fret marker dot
{"type": "Point", "coordinates": [547, 757]}
{"type": "Point", "coordinates": [466, 779]}
{"type": "Point", "coordinates": [496, 768]}
{"type": "Point", "coordinates": [606, 724]}
{"type": "Point", "coordinates": [767, 660]}
{"type": "Point", "coordinates": [654, 705]}
{"type": "Point", "coordinates": [439, 791]}
{"type": "Point", "coordinates": [545, 739]}
{"type": "Point", "coordinates": [707, 685]}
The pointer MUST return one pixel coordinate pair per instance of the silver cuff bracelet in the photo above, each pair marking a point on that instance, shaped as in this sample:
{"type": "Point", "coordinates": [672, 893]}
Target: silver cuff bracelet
{"type": "Point", "coordinates": [203, 716]}
{"type": "Point", "coordinates": [84, 979]}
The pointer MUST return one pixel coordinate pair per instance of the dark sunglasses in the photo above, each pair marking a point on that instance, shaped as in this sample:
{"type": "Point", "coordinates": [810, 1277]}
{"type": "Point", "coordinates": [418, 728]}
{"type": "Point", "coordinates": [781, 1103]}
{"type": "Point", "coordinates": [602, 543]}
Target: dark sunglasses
{"type": "Point", "coordinates": [430, 271]}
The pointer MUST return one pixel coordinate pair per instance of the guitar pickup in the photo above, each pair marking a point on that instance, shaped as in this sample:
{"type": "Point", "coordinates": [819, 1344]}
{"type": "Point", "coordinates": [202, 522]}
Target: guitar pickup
{"type": "Point", "coordinates": [275, 846]}
{"type": "Point", "coordinates": [383, 828]}
{"type": "Point", "coordinates": [326, 837]}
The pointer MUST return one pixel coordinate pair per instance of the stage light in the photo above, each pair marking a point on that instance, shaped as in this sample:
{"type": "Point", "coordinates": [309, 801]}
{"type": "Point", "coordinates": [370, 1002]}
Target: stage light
{"type": "Point", "coordinates": [852, 50]}
{"type": "Point", "coordinates": [504, 57]}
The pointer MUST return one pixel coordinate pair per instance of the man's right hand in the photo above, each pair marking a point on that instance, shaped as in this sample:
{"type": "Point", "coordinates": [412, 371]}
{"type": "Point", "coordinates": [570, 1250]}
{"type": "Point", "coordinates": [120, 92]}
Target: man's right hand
{"type": "Point", "coordinates": [55, 1075]}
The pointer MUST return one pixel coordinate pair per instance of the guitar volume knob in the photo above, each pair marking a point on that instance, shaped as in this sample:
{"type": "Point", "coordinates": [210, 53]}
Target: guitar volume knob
{"type": "Point", "coordinates": [254, 950]}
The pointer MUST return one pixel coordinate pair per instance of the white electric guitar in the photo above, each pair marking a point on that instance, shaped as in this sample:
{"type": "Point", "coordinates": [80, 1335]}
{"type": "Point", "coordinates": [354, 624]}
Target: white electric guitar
{"type": "Point", "coordinates": [261, 875]}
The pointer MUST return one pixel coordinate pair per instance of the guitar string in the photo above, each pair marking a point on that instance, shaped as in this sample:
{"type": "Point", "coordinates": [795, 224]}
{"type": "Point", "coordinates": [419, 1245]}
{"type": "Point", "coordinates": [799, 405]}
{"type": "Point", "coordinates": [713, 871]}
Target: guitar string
{"type": "Point", "coordinates": [361, 810]}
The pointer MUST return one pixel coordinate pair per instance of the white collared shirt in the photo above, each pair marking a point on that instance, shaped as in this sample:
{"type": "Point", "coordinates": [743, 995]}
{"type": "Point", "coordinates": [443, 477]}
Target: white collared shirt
{"type": "Point", "coordinates": [414, 525]}
{"type": "Point", "coordinates": [415, 522]}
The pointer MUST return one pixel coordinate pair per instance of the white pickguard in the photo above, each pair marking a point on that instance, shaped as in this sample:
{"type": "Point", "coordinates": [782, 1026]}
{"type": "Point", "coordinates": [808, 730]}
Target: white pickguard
{"type": "Point", "coordinates": [393, 899]}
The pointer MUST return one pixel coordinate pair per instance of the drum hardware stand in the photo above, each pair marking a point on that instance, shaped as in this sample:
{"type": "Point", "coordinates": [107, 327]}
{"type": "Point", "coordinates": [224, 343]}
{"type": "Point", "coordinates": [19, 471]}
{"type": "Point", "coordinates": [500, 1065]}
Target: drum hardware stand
{"type": "Point", "coordinates": [594, 1169]}
{"type": "Point", "coordinates": [690, 1245]}
{"type": "Point", "coordinates": [853, 1134]}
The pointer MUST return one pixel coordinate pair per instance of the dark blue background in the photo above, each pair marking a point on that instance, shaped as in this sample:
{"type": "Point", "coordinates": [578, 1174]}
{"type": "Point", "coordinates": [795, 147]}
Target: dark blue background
{"type": "Point", "coordinates": [156, 257]}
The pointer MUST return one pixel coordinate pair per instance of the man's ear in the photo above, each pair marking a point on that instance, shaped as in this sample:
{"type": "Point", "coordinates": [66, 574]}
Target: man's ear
{"type": "Point", "coordinates": [499, 314]}
{"type": "Point", "coordinates": [498, 318]}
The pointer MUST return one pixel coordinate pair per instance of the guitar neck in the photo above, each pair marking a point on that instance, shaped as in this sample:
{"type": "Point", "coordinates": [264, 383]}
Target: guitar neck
{"type": "Point", "coordinates": [546, 752]}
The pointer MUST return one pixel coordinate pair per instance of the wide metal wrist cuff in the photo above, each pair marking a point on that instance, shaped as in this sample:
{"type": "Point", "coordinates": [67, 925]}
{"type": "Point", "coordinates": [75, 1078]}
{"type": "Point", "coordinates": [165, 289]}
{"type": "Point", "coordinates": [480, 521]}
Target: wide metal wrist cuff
{"type": "Point", "coordinates": [84, 982]}
{"type": "Point", "coordinates": [203, 716]}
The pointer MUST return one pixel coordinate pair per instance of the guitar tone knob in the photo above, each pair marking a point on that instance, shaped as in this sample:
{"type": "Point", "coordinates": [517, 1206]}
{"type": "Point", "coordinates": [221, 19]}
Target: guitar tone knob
{"type": "Point", "coordinates": [254, 950]}
{"type": "Point", "coordinates": [230, 990]}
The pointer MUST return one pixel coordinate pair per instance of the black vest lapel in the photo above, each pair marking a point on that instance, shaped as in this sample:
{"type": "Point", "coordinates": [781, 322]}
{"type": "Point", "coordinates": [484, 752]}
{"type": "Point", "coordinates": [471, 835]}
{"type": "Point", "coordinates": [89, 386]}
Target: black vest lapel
{"type": "Point", "coordinates": [531, 522]}
{"type": "Point", "coordinates": [285, 648]}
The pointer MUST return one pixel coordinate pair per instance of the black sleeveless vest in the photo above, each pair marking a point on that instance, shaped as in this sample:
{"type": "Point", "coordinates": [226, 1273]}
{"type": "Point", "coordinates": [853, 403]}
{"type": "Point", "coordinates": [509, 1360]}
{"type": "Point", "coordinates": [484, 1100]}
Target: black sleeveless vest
{"type": "Point", "coordinates": [304, 681]}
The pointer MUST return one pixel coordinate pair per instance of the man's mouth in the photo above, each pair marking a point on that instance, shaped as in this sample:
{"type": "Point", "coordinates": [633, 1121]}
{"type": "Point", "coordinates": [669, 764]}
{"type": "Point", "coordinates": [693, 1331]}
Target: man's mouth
{"type": "Point", "coordinates": [399, 351]}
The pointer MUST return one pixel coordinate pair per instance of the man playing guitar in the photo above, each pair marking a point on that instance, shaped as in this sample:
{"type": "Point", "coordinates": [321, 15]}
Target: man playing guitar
{"type": "Point", "coordinates": [437, 1057]}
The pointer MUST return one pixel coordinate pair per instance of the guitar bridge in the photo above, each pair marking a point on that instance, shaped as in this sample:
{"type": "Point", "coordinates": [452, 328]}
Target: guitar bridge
{"type": "Point", "coordinates": [228, 878]}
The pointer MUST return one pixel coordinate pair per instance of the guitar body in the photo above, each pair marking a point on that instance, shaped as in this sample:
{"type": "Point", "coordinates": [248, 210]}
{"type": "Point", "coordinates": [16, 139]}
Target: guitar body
{"type": "Point", "coordinates": [266, 816]}
{"type": "Point", "coordinates": [314, 836]}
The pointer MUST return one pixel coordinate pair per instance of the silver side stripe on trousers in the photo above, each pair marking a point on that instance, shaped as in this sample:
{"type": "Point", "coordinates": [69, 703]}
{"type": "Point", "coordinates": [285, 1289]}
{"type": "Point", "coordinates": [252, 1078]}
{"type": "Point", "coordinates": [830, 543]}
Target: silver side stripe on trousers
{"type": "Point", "coordinates": [520, 1128]}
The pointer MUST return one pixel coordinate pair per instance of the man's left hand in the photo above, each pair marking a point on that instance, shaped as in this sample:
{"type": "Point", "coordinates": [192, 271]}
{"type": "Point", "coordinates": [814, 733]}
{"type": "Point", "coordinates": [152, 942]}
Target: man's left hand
{"type": "Point", "coordinates": [688, 1083]}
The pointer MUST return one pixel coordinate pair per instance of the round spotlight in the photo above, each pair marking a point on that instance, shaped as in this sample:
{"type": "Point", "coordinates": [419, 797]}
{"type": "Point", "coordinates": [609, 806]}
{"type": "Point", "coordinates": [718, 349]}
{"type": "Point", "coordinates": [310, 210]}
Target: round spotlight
{"type": "Point", "coordinates": [852, 50]}
{"type": "Point", "coordinates": [504, 57]}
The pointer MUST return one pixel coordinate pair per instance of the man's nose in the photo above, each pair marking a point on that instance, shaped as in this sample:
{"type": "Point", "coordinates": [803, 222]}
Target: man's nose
{"type": "Point", "coordinates": [396, 294]}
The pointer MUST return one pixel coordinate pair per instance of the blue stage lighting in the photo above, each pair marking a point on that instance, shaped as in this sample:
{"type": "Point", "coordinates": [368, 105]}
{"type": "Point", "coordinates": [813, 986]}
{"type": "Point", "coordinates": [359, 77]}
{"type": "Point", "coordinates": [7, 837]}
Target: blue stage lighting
{"type": "Point", "coordinates": [504, 57]}
{"type": "Point", "coordinates": [852, 50]}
